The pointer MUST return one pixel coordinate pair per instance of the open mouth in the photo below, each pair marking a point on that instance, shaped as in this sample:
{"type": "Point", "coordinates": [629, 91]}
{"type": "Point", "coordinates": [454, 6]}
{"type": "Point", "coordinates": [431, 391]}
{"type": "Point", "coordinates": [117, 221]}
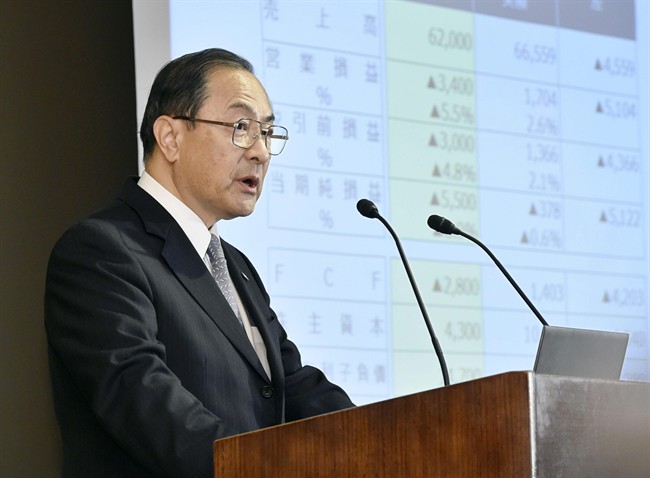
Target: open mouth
{"type": "Point", "coordinates": [251, 182]}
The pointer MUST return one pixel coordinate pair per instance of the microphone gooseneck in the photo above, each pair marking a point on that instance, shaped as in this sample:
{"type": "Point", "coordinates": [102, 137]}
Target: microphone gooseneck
{"type": "Point", "coordinates": [445, 226]}
{"type": "Point", "coordinates": [368, 209]}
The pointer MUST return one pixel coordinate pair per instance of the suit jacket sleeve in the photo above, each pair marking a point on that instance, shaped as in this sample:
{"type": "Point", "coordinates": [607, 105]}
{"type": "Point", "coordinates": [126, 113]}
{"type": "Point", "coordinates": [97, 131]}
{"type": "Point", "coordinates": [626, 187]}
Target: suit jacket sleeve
{"type": "Point", "coordinates": [307, 390]}
{"type": "Point", "coordinates": [102, 331]}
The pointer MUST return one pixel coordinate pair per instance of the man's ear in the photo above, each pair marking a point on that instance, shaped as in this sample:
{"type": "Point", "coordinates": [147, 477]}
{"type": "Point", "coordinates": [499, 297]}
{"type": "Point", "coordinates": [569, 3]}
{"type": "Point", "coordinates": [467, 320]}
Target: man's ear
{"type": "Point", "coordinates": [168, 135]}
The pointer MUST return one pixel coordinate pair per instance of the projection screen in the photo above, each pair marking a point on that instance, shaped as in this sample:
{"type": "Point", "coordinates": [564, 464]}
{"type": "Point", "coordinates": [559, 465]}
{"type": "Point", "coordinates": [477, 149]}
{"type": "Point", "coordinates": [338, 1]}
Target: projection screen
{"type": "Point", "coordinates": [523, 122]}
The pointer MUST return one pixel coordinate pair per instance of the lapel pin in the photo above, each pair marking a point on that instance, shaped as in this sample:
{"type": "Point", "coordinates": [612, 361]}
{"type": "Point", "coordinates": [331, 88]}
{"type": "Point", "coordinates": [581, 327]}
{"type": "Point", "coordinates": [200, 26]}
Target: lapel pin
{"type": "Point", "coordinates": [244, 276]}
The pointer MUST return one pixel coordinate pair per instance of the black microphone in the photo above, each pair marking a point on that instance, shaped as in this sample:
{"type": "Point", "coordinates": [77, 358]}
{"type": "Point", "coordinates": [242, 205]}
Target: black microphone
{"type": "Point", "coordinates": [368, 209]}
{"type": "Point", "coordinates": [445, 226]}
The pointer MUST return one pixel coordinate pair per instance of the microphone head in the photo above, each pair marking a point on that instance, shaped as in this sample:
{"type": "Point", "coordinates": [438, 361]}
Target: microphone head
{"type": "Point", "coordinates": [442, 225]}
{"type": "Point", "coordinates": [367, 208]}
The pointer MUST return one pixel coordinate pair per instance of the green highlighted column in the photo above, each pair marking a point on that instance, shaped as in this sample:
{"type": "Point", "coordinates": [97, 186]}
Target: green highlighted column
{"type": "Point", "coordinates": [431, 116]}
{"type": "Point", "coordinates": [433, 170]}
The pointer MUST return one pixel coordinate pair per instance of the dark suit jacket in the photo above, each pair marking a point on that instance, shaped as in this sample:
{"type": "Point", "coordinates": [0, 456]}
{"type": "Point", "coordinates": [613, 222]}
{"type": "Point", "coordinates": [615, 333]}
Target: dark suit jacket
{"type": "Point", "coordinates": [148, 362]}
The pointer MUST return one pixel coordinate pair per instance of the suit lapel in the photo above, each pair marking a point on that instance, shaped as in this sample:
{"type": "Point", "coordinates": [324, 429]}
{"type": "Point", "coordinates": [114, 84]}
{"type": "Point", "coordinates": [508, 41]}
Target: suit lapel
{"type": "Point", "coordinates": [252, 298]}
{"type": "Point", "coordinates": [190, 270]}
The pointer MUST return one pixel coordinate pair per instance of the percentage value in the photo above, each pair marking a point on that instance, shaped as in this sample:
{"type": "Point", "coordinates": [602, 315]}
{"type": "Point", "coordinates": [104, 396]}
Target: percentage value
{"type": "Point", "coordinates": [468, 226]}
{"type": "Point", "coordinates": [326, 219]}
{"type": "Point", "coordinates": [453, 113]}
{"type": "Point", "coordinates": [460, 172]}
{"type": "Point", "coordinates": [542, 238]}
{"type": "Point", "coordinates": [323, 95]}
{"type": "Point", "coordinates": [325, 157]}
{"type": "Point", "coordinates": [544, 182]}
{"type": "Point", "coordinates": [541, 125]}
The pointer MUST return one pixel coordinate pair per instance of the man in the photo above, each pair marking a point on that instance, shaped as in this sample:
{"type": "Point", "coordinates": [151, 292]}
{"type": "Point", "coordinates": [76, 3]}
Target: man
{"type": "Point", "coordinates": [150, 361]}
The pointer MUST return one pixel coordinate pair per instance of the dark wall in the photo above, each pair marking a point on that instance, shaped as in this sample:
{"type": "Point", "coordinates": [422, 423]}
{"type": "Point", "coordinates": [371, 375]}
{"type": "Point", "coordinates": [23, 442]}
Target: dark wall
{"type": "Point", "coordinates": [68, 139]}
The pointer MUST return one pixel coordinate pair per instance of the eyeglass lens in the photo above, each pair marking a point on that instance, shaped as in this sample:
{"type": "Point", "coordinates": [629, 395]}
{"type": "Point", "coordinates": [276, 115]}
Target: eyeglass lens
{"type": "Point", "coordinates": [247, 131]}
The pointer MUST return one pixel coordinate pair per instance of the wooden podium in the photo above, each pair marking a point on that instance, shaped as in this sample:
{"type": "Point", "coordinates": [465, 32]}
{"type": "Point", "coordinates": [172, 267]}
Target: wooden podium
{"type": "Point", "coordinates": [517, 425]}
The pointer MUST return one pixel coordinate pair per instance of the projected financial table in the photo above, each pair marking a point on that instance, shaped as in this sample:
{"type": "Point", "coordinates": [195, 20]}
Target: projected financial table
{"type": "Point", "coordinates": [519, 121]}
{"type": "Point", "coordinates": [516, 119]}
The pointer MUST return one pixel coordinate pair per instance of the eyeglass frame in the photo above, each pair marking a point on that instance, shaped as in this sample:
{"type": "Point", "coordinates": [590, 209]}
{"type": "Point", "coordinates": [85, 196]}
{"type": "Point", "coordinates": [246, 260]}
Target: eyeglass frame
{"type": "Point", "coordinates": [263, 131]}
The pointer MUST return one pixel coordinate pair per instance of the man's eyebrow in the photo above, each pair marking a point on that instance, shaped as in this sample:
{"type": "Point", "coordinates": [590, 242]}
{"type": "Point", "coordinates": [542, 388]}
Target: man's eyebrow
{"type": "Point", "coordinates": [247, 108]}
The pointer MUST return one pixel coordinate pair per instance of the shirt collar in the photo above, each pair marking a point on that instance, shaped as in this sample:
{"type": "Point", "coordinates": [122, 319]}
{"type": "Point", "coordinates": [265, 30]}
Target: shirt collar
{"type": "Point", "coordinates": [191, 224]}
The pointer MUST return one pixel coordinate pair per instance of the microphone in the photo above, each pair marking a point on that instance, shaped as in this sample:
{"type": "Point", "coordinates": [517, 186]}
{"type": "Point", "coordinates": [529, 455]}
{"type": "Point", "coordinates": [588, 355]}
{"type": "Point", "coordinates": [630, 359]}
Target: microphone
{"type": "Point", "coordinates": [445, 226]}
{"type": "Point", "coordinates": [368, 209]}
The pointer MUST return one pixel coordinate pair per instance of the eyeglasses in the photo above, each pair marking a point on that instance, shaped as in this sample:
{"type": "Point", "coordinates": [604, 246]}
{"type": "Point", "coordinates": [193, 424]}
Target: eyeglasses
{"type": "Point", "coordinates": [246, 132]}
